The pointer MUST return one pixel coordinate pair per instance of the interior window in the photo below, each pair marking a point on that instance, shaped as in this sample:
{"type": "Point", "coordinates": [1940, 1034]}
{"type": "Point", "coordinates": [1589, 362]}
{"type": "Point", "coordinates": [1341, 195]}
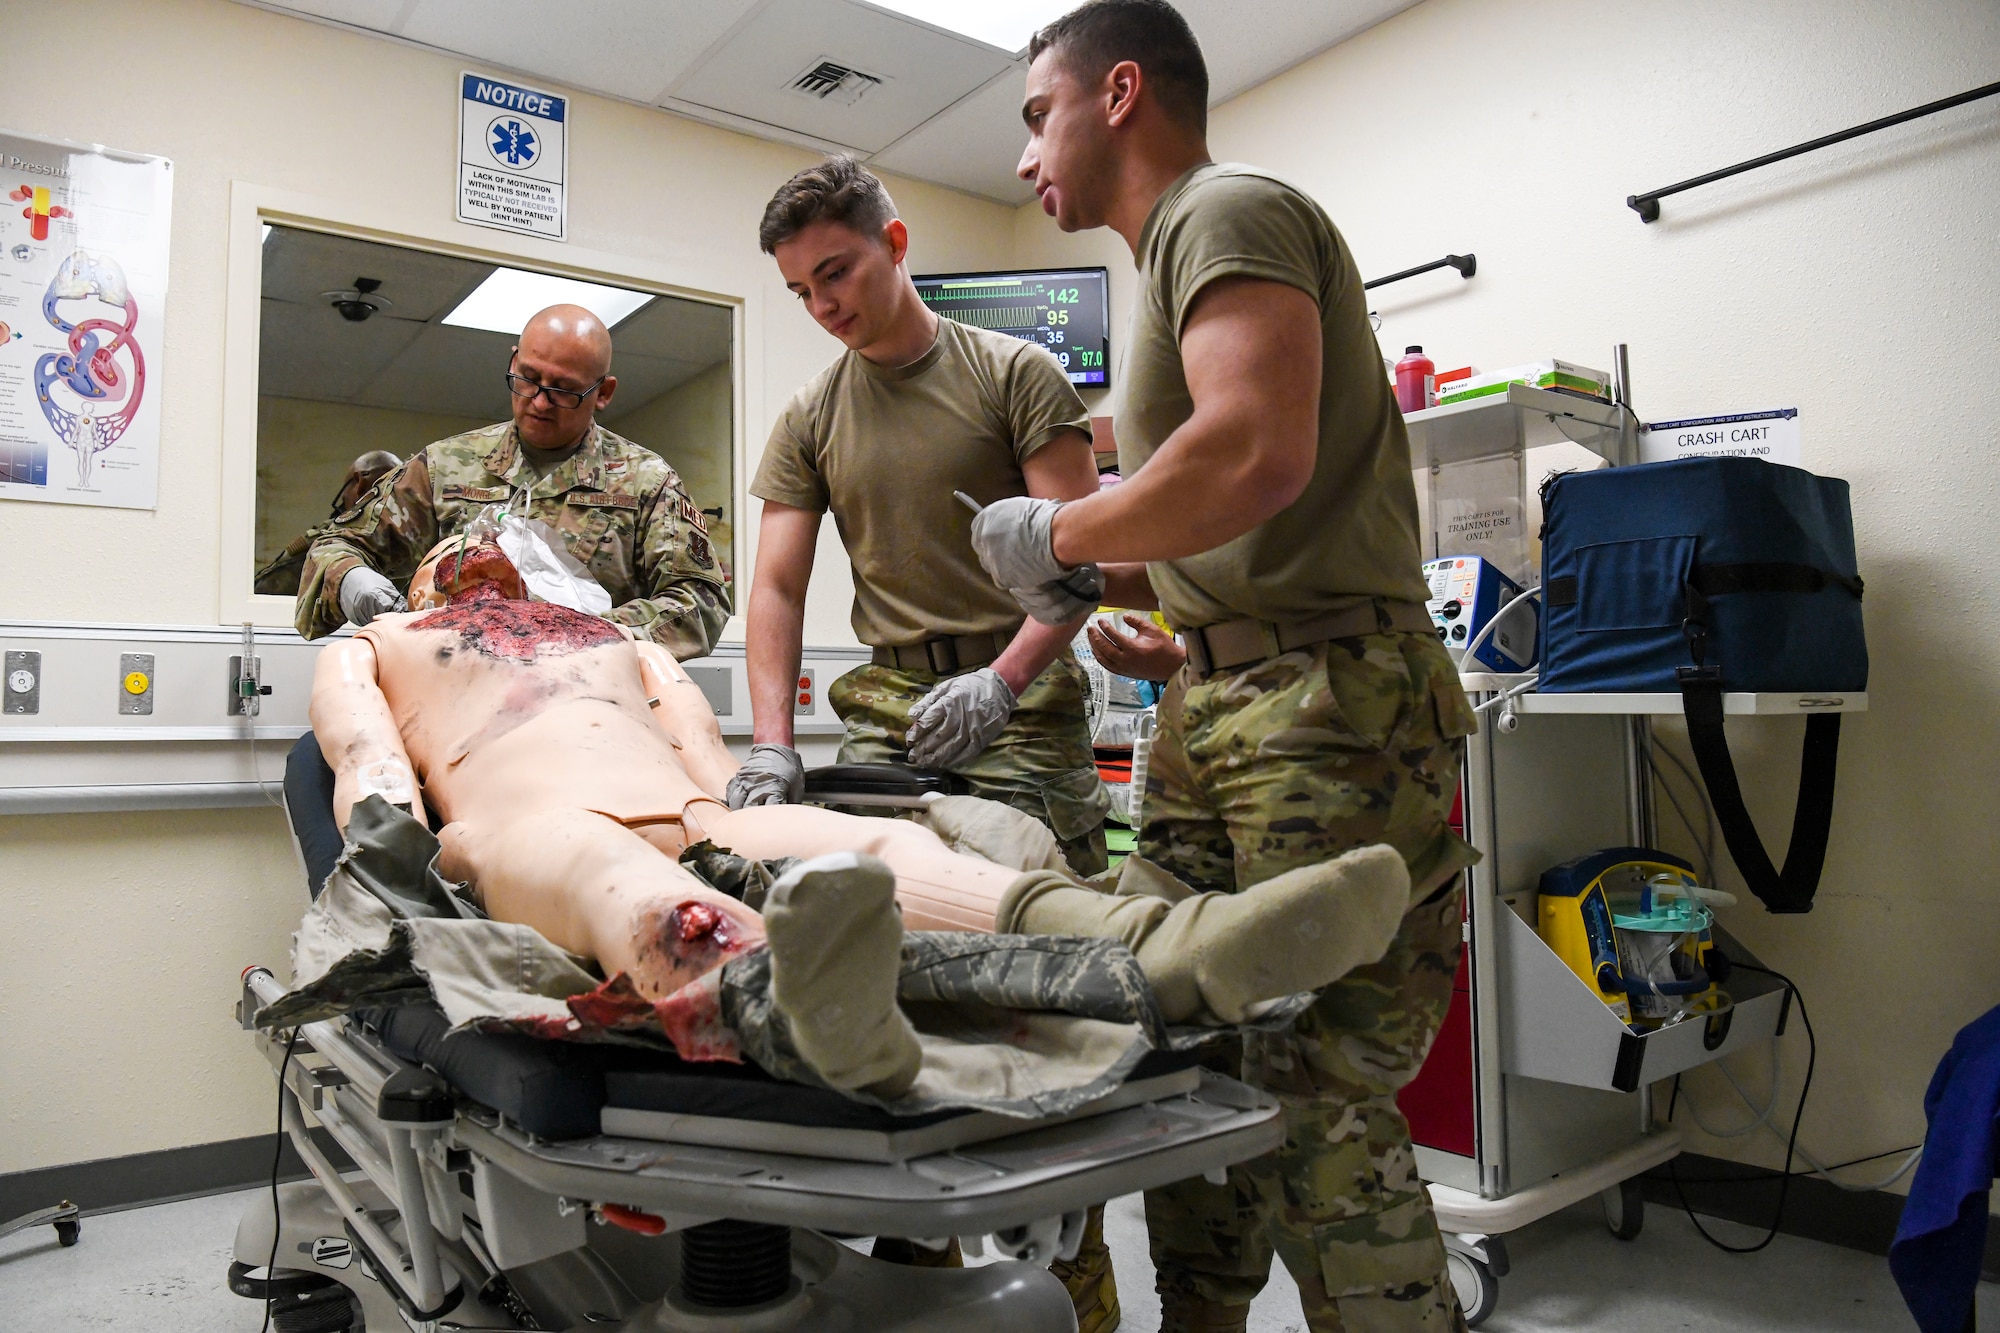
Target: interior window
{"type": "Point", "coordinates": [366, 346]}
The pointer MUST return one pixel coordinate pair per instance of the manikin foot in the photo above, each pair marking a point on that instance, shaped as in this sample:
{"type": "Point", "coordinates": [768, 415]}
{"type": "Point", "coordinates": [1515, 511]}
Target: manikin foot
{"type": "Point", "coordinates": [836, 940]}
{"type": "Point", "coordinates": [1221, 955]}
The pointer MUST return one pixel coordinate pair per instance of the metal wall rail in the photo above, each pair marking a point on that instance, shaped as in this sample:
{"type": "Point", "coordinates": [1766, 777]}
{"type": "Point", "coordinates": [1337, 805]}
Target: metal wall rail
{"type": "Point", "coordinates": [1467, 265]}
{"type": "Point", "coordinates": [1647, 205]}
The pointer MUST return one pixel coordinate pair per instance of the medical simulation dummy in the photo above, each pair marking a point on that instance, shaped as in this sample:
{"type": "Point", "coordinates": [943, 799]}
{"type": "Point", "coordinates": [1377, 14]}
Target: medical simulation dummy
{"type": "Point", "coordinates": [570, 766]}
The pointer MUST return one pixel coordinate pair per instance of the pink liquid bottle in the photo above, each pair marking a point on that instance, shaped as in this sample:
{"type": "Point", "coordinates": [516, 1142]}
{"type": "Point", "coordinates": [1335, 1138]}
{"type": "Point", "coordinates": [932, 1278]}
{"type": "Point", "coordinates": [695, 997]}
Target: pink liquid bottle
{"type": "Point", "coordinates": [1416, 381]}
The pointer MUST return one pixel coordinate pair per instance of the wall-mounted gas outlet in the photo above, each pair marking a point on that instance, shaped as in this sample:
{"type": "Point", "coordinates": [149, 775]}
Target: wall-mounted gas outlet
{"type": "Point", "coordinates": [135, 684]}
{"type": "Point", "coordinates": [23, 682]}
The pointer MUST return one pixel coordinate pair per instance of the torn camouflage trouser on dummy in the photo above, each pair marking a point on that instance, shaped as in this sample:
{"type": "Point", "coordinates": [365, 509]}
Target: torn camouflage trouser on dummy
{"type": "Point", "coordinates": [620, 510]}
{"type": "Point", "coordinates": [1285, 763]}
{"type": "Point", "coordinates": [1075, 1016]}
{"type": "Point", "coordinates": [1041, 764]}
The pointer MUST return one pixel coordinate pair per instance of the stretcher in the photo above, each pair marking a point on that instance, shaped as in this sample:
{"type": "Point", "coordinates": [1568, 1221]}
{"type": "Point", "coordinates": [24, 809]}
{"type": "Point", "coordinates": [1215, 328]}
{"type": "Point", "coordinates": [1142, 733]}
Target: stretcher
{"type": "Point", "coordinates": [473, 1180]}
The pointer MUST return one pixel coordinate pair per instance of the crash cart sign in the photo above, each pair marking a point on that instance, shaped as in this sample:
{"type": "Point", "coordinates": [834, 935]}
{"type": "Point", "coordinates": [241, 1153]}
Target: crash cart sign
{"type": "Point", "coordinates": [512, 155]}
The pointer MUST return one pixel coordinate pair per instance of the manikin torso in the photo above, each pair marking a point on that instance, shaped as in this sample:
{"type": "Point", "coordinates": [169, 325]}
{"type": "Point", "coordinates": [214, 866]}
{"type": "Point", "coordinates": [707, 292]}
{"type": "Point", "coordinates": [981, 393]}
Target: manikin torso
{"type": "Point", "coordinates": [506, 708]}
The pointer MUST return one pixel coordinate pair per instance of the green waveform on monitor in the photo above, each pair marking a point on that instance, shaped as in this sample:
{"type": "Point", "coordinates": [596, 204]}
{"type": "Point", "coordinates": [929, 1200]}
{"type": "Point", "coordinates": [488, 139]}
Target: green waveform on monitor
{"type": "Point", "coordinates": [1000, 317]}
{"type": "Point", "coordinates": [938, 295]}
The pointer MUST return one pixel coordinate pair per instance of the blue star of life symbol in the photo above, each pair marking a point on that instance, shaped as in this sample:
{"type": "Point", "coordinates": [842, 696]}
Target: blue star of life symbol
{"type": "Point", "coordinates": [513, 143]}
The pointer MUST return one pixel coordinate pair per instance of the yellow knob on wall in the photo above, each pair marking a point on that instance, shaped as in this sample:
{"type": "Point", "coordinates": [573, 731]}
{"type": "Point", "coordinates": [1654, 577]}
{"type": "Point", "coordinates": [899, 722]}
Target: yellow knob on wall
{"type": "Point", "coordinates": [137, 682]}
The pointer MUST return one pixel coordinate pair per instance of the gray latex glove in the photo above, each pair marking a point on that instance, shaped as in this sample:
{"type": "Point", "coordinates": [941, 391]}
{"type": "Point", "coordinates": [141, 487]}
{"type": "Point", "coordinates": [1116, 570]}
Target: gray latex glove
{"type": "Point", "coordinates": [959, 718]}
{"type": "Point", "coordinates": [1059, 603]}
{"type": "Point", "coordinates": [772, 775]}
{"type": "Point", "coordinates": [1013, 541]}
{"type": "Point", "coordinates": [365, 594]}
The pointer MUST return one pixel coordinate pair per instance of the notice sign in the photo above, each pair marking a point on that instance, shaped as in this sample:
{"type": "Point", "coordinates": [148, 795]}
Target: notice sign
{"type": "Point", "coordinates": [1772, 436]}
{"type": "Point", "coordinates": [512, 155]}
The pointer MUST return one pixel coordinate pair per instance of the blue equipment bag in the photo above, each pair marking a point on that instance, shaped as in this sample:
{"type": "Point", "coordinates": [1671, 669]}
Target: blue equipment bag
{"type": "Point", "coordinates": [1703, 575]}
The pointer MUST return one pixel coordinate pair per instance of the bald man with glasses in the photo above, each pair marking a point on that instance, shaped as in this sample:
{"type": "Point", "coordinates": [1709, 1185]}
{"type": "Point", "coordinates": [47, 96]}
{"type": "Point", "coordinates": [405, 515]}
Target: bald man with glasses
{"type": "Point", "coordinates": [618, 507]}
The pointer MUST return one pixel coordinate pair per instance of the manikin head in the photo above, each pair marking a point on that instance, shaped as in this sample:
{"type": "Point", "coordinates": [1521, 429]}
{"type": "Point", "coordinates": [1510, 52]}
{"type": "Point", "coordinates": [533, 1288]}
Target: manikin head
{"type": "Point", "coordinates": [459, 568]}
{"type": "Point", "coordinates": [834, 231]}
{"type": "Point", "coordinates": [567, 349]}
{"type": "Point", "coordinates": [1110, 82]}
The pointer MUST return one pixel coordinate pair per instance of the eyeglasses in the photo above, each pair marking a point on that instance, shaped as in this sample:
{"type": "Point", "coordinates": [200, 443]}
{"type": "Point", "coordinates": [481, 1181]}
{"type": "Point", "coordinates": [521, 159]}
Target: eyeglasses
{"type": "Point", "coordinates": [564, 398]}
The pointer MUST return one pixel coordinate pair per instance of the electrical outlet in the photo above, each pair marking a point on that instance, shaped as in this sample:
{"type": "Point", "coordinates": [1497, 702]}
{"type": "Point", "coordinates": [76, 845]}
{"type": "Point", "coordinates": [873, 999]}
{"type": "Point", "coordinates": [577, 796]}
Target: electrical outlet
{"type": "Point", "coordinates": [802, 701]}
{"type": "Point", "coordinates": [23, 682]}
{"type": "Point", "coordinates": [135, 684]}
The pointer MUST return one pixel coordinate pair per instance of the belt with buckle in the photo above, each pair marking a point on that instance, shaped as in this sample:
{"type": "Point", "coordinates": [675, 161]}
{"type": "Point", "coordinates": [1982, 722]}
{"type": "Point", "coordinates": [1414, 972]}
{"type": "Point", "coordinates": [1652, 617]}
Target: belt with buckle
{"type": "Point", "coordinates": [947, 655]}
{"type": "Point", "coordinates": [1235, 644]}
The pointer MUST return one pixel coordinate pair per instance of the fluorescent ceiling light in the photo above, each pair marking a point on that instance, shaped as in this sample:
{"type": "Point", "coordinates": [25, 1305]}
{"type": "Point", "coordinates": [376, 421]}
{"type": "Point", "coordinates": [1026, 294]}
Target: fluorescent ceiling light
{"type": "Point", "coordinates": [1007, 24]}
{"type": "Point", "coordinates": [510, 297]}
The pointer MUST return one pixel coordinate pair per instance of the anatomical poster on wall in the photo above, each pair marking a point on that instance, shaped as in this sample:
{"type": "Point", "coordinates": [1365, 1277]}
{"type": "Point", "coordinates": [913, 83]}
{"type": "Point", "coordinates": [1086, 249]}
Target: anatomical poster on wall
{"type": "Point", "coordinates": [84, 236]}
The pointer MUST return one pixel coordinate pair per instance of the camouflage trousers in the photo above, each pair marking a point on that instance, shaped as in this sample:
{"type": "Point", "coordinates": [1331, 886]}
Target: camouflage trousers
{"type": "Point", "coordinates": [1041, 764]}
{"type": "Point", "coordinates": [1290, 762]}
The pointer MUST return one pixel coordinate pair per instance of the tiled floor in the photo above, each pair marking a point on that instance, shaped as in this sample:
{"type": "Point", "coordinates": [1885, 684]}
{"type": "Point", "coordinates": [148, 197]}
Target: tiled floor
{"type": "Point", "coordinates": [160, 1270]}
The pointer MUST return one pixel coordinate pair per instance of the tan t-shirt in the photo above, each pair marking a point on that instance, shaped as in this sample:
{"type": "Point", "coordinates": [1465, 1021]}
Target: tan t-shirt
{"type": "Point", "coordinates": [1353, 534]}
{"type": "Point", "coordinates": [885, 448]}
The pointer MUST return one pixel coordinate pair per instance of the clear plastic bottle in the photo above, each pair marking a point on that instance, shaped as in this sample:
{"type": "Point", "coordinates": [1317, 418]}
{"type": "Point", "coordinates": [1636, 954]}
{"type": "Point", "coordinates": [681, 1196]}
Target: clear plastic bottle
{"type": "Point", "coordinates": [1416, 381]}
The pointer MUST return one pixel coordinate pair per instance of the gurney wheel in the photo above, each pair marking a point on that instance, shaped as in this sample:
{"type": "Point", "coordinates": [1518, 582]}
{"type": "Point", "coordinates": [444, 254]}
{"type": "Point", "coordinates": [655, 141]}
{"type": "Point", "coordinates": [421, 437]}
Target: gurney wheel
{"type": "Point", "coordinates": [1478, 1290]}
{"type": "Point", "coordinates": [1624, 1209]}
{"type": "Point", "coordinates": [67, 1232]}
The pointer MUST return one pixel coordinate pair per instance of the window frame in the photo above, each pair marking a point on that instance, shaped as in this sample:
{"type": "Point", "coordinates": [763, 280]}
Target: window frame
{"type": "Point", "coordinates": [251, 206]}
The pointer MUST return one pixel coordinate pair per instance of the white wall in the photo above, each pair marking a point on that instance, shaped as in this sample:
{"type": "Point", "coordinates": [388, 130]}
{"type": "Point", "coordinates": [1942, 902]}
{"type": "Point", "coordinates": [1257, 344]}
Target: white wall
{"type": "Point", "coordinates": [689, 427]}
{"type": "Point", "coordinates": [1858, 284]}
{"type": "Point", "coordinates": [124, 935]}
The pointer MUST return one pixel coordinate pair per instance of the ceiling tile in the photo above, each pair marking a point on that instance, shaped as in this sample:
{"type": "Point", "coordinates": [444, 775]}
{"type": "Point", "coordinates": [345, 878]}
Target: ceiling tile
{"type": "Point", "coordinates": [629, 48]}
{"type": "Point", "coordinates": [728, 62]}
{"type": "Point", "coordinates": [461, 372]}
{"type": "Point", "coordinates": [300, 264]}
{"type": "Point", "coordinates": [973, 146]}
{"type": "Point", "coordinates": [923, 71]}
{"type": "Point", "coordinates": [309, 351]}
{"type": "Point", "coordinates": [693, 331]}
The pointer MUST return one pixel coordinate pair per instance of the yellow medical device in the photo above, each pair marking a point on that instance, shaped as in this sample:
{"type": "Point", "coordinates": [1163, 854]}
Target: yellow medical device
{"type": "Point", "coordinates": [1630, 922]}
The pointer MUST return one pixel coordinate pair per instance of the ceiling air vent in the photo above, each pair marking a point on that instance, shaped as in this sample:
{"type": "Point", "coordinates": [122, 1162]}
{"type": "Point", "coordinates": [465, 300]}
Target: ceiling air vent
{"type": "Point", "coordinates": [831, 81]}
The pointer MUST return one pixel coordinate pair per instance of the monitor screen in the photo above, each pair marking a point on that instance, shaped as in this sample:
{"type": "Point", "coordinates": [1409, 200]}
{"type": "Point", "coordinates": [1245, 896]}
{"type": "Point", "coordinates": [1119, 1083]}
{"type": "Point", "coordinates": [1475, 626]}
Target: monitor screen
{"type": "Point", "coordinates": [1066, 310]}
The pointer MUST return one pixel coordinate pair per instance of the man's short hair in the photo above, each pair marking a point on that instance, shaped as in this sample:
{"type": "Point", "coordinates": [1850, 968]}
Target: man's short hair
{"type": "Point", "coordinates": [1093, 37]}
{"type": "Point", "coordinates": [837, 190]}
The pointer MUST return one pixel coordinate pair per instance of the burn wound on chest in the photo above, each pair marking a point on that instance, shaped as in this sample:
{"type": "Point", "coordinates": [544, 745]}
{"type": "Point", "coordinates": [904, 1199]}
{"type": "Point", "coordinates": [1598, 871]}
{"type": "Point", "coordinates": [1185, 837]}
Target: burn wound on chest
{"type": "Point", "coordinates": [518, 630]}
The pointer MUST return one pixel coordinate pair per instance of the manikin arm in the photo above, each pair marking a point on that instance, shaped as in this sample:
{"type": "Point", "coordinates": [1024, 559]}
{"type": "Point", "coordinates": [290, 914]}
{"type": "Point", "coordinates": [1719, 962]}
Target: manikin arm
{"type": "Point", "coordinates": [357, 733]}
{"type": "Point", "coordinates": [683, 712]}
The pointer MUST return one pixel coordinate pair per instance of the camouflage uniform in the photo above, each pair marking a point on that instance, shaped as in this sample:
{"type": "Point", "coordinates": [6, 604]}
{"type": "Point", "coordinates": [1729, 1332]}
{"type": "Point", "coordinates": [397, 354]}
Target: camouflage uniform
{"type": "Point", "coordinates": [619, 507]}
{"type": "Point", "coordinates": [1284, 763]}
{"type": "Point", "coordinates": [281, 577]}
{"type": "Point", "coordinates": [1041, 764]}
